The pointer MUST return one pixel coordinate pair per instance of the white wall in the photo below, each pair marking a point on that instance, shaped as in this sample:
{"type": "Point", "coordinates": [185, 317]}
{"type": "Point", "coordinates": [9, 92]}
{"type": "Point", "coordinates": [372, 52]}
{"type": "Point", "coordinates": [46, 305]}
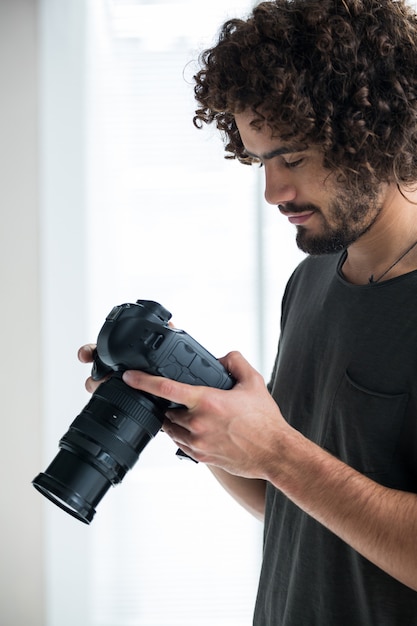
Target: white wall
{"type": "Point", "coordinates": [21, 570]}
{"type": "Point", "coordinates": [43, 312]}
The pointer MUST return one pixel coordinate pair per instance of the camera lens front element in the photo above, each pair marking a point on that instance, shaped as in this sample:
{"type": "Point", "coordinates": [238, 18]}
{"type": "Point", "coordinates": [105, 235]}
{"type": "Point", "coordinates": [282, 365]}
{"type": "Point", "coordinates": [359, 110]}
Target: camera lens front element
{"type": "Point", "coordinates": [100, 447]}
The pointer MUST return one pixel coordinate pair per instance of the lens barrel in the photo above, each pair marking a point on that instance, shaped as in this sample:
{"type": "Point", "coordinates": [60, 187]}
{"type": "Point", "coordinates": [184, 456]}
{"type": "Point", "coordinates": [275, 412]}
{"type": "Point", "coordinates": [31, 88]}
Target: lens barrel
{"type": "Point", "coordinates": [101, 445]}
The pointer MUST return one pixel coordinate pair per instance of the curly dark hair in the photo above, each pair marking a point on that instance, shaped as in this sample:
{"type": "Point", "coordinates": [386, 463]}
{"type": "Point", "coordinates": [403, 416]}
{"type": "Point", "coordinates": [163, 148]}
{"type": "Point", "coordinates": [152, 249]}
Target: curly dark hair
{"type": "Point", "coordinates": [340, 74]}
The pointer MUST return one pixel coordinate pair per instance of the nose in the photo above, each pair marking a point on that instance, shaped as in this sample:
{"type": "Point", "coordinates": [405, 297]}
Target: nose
{"type": "Point", "coordinates": [278, 187]}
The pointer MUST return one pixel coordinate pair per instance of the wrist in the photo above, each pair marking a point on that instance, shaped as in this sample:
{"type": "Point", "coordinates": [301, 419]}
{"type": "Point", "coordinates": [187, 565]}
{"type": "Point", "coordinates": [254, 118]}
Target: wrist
{"type": "Point", "coordinates": [296, 463]}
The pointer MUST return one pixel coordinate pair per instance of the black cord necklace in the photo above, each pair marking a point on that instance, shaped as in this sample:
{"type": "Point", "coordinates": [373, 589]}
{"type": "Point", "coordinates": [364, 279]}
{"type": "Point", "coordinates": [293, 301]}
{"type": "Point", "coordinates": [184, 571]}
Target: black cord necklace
{"type": "Point", "coordinates": [373, 280]}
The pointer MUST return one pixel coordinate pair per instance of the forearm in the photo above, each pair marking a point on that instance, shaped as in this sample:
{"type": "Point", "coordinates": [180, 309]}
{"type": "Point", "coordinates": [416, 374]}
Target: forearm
{"type": "Point", "coordinates": [217, 428]}
{"type": "Point", "coordinates": [249, 493]}
{"type": "Point", "coordinates": [378, 522]}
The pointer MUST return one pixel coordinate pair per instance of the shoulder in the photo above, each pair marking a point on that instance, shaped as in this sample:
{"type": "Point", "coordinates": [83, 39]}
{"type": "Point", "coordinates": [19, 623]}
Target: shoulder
{"type": "Point", "coordinates": [324, 265]}
{"type": "Point", "coordinates": [313, 274]}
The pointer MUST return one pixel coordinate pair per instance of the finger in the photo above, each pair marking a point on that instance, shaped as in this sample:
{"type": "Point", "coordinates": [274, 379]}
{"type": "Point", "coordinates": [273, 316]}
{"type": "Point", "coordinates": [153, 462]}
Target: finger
{"type": "Point", "coordinates": [237, 365]}
{"type": "Point", "coordinates": [171, 390]}
{"type": "Point", "coordinates": [86, 353]}
{"type": "Point", "coordinates": [91, 385]}
{"type": "Point", "coordinates": [184, 439]}
{"type": "Point", "coordinates": [176, 431]}
{"type": "Point", "coordinates": [178, 416]}
{"type": "Point", "coordinates": [181, 437]}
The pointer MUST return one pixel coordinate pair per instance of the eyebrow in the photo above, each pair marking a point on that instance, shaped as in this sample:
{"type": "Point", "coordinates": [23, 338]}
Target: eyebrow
{"type": "Point", "coordinates": [278, 152]}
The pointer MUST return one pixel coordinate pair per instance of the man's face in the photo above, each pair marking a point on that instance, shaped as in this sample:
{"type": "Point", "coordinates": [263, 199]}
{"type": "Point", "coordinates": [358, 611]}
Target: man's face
{"type": "Point", "coordinates": [328, 217]}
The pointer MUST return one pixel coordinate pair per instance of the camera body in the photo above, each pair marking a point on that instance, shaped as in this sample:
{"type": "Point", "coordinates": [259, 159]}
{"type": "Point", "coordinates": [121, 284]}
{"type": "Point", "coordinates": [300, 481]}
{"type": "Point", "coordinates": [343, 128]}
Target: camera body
{"type": "Point", "coordinates": [106, 438]}
{"type": "Point", "coordinates": [138, 336]}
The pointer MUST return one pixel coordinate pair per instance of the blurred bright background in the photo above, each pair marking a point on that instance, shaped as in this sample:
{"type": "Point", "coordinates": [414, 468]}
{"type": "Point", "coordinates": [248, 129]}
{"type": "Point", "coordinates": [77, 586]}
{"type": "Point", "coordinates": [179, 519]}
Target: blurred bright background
{"type": "Point", "coordinates": [110, 194]}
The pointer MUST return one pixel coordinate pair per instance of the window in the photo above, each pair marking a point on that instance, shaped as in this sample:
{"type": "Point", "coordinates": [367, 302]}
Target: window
{"type": "Point", "coordinates": [160, 215]}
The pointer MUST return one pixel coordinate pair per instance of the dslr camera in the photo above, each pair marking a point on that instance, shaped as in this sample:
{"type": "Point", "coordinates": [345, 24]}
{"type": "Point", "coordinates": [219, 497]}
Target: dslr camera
{"type": "Point", "coordinates": [106, 438]}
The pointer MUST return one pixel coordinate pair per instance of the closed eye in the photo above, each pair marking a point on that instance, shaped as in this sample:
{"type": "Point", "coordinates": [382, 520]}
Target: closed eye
{"type": "Point", "coordinates": [289, 165]}
{"type": "Point", "coordinates": [293, 164]}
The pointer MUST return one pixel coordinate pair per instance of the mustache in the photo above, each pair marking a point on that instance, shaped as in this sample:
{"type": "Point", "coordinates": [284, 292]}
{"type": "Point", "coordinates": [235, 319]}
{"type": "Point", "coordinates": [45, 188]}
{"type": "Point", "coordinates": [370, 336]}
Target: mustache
{"type": "Point", "coordinates": [290, 207]}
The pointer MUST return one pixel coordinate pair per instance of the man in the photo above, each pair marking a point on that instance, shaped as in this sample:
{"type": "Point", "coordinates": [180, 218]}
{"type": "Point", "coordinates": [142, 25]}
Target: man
{"type": "Point", "coordinates": [323, 95]}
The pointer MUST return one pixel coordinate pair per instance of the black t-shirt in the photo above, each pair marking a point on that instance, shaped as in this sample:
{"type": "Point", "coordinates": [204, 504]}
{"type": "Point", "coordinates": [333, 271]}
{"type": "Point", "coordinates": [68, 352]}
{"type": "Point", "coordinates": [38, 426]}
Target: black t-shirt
{"type": "Point", "coordinates": [346, 377]}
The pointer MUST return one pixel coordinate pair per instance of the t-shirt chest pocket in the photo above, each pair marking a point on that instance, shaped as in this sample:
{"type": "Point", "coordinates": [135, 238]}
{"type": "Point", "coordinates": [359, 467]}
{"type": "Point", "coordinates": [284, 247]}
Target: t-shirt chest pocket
{"type": "Point", "coordinates": [364, 426]}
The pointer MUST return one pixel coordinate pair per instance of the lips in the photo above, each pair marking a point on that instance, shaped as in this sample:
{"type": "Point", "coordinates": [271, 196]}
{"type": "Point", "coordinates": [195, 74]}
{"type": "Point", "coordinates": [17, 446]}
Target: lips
{"type": "Point", "coordinates": [296, 217]}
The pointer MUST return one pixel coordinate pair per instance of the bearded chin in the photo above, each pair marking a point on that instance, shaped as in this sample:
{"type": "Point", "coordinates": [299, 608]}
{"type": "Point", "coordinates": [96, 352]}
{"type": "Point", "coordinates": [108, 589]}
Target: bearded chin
{"type": "Point", "coordinates": [324, 244]}
{"type": "Point", "coordinates": [351, 220]}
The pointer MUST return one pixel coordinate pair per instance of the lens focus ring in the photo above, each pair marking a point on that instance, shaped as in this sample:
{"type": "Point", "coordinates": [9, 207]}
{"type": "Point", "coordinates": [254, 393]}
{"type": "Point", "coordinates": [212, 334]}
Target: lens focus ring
{"type": "Point", "coordinates": [132, 402]}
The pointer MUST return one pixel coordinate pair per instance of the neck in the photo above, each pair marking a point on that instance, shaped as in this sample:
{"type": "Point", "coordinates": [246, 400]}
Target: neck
{"type": "Point", "coordinates": [387, 250]}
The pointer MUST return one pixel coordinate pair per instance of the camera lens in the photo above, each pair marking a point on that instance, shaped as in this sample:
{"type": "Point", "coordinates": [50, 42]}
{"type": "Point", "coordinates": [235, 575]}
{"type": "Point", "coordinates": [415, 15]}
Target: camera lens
{"type": "Point", "coordinates": [101, 445]}
{"type": "Point", "coordinates": [73, 484]}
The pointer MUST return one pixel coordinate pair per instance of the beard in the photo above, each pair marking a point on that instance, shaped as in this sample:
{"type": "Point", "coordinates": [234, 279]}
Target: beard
{"type": "Point", "coordinates": [349, 217]}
